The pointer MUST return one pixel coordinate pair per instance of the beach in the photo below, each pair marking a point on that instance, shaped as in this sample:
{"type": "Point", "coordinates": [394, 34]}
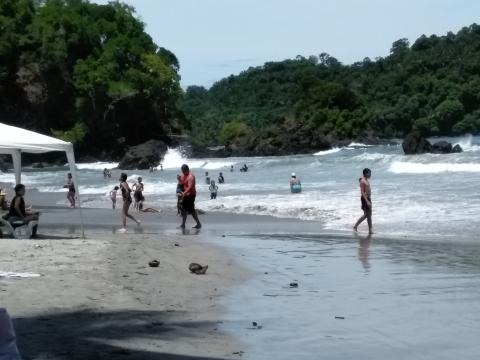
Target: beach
{"type": "Point", "coordinates": [368, 298]}
{"type": "Point", "coordinates": [287, 276]}
{"type": "Point", "coordinates": [99, 299]}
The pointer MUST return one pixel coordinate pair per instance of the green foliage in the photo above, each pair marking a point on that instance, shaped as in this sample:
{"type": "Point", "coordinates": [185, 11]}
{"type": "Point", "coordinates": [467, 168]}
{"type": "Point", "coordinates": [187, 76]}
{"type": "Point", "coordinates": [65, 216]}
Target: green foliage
{"type": "Point", "coordinates": [74, 135]}
{"type": "Point", "coordinates": [71, 62]}
{"type": "Point", "coordinates": [233, 130]}
{"type": "Point", "coordinates": [433, 86]}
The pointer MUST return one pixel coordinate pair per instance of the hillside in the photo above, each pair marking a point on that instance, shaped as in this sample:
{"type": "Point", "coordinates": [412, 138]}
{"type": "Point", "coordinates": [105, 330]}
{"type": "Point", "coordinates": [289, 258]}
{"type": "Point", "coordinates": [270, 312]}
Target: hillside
{"type": "Point", "coordinates": [312, 103]}
{"type": "Point", "coordinates": [86, 73]}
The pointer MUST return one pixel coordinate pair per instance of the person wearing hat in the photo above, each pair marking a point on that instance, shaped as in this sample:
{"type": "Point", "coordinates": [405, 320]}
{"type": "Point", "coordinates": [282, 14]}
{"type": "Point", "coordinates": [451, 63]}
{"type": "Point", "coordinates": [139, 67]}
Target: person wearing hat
{"type": "Point", "coordinates": [295, 184]}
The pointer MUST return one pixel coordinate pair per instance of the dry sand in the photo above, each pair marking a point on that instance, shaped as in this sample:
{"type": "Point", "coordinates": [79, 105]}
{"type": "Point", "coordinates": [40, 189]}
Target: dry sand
{"type": "Point", "coordinates": [99, 299]}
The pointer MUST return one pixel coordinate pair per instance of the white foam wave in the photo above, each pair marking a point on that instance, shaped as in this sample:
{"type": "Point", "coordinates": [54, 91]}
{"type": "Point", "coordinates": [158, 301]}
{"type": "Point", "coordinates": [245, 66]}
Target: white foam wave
{"type": "Point", "coordinates": [466, 144]}
{"type": "Point", "coordinates": [174, 159]}
{"type": "Point", "coordinates": [355, 144]}
{"type": "Point", "coordinates": [327, 152]}
{"type": "Point", "coordinates": [96, 166]}
{"type": "Point", "coordinates": [401, 167]}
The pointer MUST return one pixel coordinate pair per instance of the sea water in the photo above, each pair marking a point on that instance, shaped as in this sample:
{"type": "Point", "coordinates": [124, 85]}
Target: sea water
{"type": "Point", "coordinates": [429, 194]}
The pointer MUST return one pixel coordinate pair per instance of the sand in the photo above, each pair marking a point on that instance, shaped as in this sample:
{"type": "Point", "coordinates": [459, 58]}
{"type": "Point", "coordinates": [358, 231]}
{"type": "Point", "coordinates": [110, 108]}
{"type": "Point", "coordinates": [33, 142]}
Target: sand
{"type": "Point", "coordinates": [99, 299]}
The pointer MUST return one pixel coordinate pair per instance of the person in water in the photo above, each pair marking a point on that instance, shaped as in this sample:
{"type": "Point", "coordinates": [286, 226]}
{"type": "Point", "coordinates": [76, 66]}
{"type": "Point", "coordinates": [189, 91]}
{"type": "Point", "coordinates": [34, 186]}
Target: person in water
{"type": "Point", "coordinates": [188, 197]}
{"type": "Point", "coordinates": [231, 168]}
{"type": "Point", "coordinates": [221, 179]}
{"type": "Point", "coordinates": [295, 184]}
{"type": "Point", "coordinates": [113, 196]}
{"type": "Point", "coordinates": [207, 178]}
{"type": "Point", "coordinates": [138, 188]}
{"type": "Point", "coordinates": [244, 168]}
{"type": "Point", "coordinates": [127, 201]}
{"type": "Point", "coordinates": [18, 211]}
{"type": "Point", "coordinates": [179, 193]}
{"type": "Point", "coordinates": [71, 190]}
{"type": "Point", "coordinates": [213, 190]}
{"type": "Point", "coordinates": [365, 199]}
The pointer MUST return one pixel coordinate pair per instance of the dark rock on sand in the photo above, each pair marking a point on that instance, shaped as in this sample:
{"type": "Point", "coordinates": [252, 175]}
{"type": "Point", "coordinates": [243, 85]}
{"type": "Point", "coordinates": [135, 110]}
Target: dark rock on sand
{"type": "Point", "coordinates": [197, 268]}
{"type": "Point", "coordinates": [414, 143]}
{"type": "Point", "coordinates": [144, 155]}
{"type": "Point", "coordinates": [154, 263]}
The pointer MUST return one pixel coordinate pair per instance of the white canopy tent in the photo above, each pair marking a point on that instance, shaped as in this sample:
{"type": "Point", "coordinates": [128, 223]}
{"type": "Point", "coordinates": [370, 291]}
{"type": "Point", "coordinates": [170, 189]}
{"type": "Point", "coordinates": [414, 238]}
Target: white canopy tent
{"type": "Point", "coordinates": [15, 141]}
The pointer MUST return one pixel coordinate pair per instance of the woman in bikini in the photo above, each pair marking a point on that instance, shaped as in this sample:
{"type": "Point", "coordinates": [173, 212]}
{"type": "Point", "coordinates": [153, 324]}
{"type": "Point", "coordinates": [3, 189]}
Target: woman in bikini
{"type": "Point", "coordinates": [127, 201]}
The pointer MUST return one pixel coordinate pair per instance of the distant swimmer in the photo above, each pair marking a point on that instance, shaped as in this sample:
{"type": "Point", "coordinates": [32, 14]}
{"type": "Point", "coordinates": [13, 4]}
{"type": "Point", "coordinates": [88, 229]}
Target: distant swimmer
{"type": "Point", "coordinates": [221, 179]}
{"type": "Point", "coordinates": [213, 190]}
{"type": "Point", "coordinates": [244, 168]}
{"type": "Point", "coordinates": [295, 184]}
{"type": "Point", "coordinates": [207, 178]}
{"type": "Point", "coordinates": [71, 190]}
{"type": "Point", "coordinates": [365, 198]}
{"type": "Point", "coordinates": [231, 168]}
{"type": "Point", "coordinates": [105, 173]}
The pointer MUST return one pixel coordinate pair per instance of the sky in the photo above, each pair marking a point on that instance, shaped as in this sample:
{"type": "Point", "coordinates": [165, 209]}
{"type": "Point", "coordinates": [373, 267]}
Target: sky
{"type": "Point", "coordinates": [213, 39]}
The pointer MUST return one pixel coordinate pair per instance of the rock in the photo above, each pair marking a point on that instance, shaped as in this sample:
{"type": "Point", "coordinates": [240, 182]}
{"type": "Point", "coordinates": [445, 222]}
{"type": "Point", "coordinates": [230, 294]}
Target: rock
{"type": "Point", "coordinates": [154, 263]}
{"type": "Point", "coordinates": [442, 147]}
{"type": "Point", "coordinates": [414, 143]}
{"type": "Point", "coordinates": [197, 268]}
{"type": "Point", "coordinates": [144, 155]}
{"type": "Point", "coordinates": [457, 149]}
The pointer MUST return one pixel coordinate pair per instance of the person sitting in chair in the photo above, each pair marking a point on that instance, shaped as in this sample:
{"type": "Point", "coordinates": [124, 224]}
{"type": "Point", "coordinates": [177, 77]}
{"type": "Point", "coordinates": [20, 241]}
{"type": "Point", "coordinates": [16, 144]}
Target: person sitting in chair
{"type": "Point", "coordinates": [18, 212]}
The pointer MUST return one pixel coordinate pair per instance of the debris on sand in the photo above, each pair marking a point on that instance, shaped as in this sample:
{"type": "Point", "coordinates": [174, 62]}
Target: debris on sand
{"type": "Point", "coordinates": [197, 268]}
{"type": "Point", "coordinates": [154, 263]}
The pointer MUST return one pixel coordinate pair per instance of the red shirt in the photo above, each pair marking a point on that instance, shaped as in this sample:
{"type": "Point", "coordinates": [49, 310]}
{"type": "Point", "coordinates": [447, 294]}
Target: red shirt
{"type": "Point", "coordinates": [188, 182]}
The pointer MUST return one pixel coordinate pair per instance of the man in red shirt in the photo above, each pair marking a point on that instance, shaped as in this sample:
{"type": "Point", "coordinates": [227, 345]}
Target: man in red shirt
{"type": "Point", "coordinates": [188, 196]}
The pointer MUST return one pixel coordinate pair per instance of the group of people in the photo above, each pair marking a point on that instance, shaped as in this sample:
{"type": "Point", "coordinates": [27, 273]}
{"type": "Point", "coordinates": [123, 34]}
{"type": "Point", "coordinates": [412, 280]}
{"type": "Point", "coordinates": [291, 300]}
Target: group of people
{"type": "Point", "coordinates": [186, 195]}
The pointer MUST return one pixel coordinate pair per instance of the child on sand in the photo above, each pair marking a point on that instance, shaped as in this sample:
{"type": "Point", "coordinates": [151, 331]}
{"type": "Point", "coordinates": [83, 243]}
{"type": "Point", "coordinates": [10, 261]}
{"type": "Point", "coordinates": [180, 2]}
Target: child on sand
{"type": "Point", "coordinates": [113, 196]}
{"type": "Point", "coordinates": [213, 190]}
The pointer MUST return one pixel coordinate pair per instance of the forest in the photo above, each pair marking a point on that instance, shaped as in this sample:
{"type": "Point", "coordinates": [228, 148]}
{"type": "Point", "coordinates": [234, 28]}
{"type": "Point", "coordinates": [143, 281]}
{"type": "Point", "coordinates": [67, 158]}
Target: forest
{"type": "Point", "coordinates": [90, 74]}
{"type": "Point", "coordinates": [86, 73]}
{"type": "Point", "coordinates": [310, 103]}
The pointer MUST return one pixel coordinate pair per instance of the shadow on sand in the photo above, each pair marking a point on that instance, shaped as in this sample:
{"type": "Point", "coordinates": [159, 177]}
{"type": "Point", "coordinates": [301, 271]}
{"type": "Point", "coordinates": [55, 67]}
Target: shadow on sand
{"type": "Point", "coordinates": [89, 334]}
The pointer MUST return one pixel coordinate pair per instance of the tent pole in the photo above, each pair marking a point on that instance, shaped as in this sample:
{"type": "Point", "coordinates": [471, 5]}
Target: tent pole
{"type": "Point", "coordinates": [17, 165]}
{"type": "Point", "coordinates": [73, 171]}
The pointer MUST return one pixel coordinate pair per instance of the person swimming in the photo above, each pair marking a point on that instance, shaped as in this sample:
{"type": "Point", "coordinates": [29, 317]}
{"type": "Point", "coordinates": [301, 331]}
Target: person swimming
{"type": "Point", "coordinates": [295, 184]}
{"type": "Point", "coordinates": [221, 179]}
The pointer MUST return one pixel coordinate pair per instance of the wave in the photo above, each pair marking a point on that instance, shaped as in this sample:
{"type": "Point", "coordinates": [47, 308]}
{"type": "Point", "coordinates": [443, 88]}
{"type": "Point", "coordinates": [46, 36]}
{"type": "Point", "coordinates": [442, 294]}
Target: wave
{"type": "Point", "coordinates": [402, 167]}
{"type": "Point", "coordinates": [467, 144]}
{"type": "Point", "coordinates": [355, 144]}
{"type": "Point", "coordinates": [328, 152]}
{"type": "Point", "coordinates": [96, 165]}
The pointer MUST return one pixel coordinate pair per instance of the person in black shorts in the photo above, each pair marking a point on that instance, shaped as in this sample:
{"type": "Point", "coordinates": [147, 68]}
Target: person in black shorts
{"type": "Point", "coordinates": [366, 201]}
{"type": "Point", "coordinates": [188, 197]}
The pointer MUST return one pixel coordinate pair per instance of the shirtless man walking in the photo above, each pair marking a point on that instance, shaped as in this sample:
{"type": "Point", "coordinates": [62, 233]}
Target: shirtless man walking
{"type": "Point", "coordinates": [188, 197]}
{"type": "Point", "coordinates": [365, 198]}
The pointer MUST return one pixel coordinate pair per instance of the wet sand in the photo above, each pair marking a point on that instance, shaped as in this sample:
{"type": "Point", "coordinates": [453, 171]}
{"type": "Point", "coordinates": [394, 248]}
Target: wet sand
{"type": "Point", "coordinates": [357, 297]}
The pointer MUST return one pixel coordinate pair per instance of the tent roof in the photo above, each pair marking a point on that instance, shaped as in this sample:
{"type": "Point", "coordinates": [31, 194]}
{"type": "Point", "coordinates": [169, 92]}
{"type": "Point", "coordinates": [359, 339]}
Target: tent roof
{"type": "Point", "coordinates": [13, 139]}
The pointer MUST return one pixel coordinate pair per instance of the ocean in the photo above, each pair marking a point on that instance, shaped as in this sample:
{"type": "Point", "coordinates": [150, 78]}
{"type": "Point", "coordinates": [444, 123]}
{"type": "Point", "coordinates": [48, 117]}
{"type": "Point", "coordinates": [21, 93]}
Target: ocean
{"type": "Point", "coordinates": [432, 195]}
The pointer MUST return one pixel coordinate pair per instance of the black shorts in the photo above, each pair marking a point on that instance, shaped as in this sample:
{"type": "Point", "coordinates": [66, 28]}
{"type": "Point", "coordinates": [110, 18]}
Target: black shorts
{"type": "Point", "coordinates": [138, 195]}
{"type": "Point", "coordinates": [188, 204]}
{"type": "Point", "coordinates": [365, 206]}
